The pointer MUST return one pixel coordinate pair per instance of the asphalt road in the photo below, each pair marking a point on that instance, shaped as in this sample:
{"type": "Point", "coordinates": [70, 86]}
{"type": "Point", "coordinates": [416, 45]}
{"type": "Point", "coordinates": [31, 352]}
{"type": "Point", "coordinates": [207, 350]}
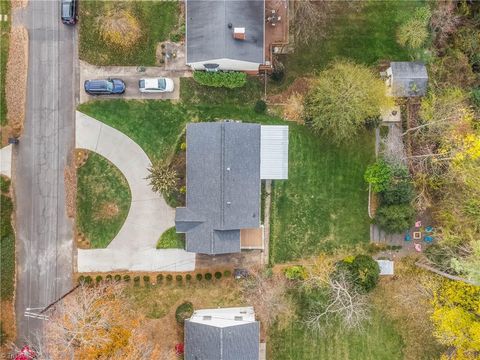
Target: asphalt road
{"type": "Point", "coordinates": [44, 233]}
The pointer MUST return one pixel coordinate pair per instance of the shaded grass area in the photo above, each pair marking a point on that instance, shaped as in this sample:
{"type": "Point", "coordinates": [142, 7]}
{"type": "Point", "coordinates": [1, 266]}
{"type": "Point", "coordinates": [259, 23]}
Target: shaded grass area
{"type": "Point", "coordinates": [103, 200]}
{"type": "Point", "coordinates": [323, 204]}
{"type": "Point", "coordinates": [157, 19]}
{"type": "Point", "coordinates": [4, 42]}
{"type": "Point", "coordinates": [366, 36]}
{"type": "Point", "coordinates": [7, 248]}
{"type": "Point", "coordinates": [378, 340]}
{"type": "Point", "coordinates": [171, 240]}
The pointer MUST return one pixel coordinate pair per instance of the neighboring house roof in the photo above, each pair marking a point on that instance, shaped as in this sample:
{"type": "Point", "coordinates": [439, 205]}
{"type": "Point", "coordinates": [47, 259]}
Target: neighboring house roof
{"type": "Point", "coordinates": [222, 334]}
{"type": "Point", "coordinates": [408, 79]}
{"type": "Point", "coordinates": [209, 36]}
{"type": "Point", "coordinates": [223, 186]}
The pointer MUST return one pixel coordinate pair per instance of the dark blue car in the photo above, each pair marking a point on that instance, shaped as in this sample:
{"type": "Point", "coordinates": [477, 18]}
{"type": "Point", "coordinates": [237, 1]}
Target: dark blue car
{"type": "Point", "coordinates": [104, 87]}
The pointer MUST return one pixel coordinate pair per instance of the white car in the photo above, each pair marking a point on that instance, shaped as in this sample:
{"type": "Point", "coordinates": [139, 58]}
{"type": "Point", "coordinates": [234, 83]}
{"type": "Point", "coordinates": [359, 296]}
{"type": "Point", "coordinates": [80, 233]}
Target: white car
{"type": "Point", "coordinates": [155, 85]}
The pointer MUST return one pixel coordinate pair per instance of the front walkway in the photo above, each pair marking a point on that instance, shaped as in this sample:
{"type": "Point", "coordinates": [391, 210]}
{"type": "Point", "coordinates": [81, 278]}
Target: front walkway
{"type": "Point", "coordinates": [130, 75]}
{"type": "Point", "coordinates": [149, 216]}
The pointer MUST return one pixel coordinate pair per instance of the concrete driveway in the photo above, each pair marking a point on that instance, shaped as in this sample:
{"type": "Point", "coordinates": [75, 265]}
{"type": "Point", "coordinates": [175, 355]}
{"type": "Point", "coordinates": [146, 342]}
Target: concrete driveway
{"type": "Point", "coordinates": [149, 216]}
{"type": "Point", "coordinates": [130, 75]}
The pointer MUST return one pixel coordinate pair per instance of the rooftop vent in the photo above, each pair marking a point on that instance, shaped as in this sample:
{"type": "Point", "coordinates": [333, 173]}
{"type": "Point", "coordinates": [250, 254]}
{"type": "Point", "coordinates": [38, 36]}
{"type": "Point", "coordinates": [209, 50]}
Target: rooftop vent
{"type": "Point", "coordinates": [239, 33]}
{"type": "Point", "coordinates": [207, 317]}
{"type": "Point", "coordinates": [238, 318]}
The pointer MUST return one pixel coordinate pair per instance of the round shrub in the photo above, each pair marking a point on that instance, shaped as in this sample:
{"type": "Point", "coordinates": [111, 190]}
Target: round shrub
{"type": "Point", "coordinates": [179, 278]}
{"type": "Point", "coordinates": [98, 278]}
{"type": "Point", "coordinates": [81, 279]}
{"type": "Point", "coordinates": [184, 311]}
{"type": "Point", "coordinates": [108, 277]}
{"type": "Point", "coordinates": [136, 279]}
{"type": "Point", "coordinates": [118, 277]}
{"type": "Point", "coordinates": [218, 275]}
{"type": "Point", "coordinates": [126, 278]}
{"type": "Point", "coordinates": [183, 146]}
{"type": "Point", "coordinates": [159, 278]}
{"type": "Point", "coordinates": [260, 107]}
{"type": "Point", "coordinates": [295, 272]}
{"type": "Point", "coordinates": [169, 277]}
{"type": "Point", "coordinates": [395, 219]}
{"type": "Point", "coordinates": [278, 72]}
{"type": "Point", "coordinates": [88, 279]}
{"type": "Point", "coordinates": [188, 277]}
{"type": "Point", "coordinates": [208, 276]}
{"type": "Point", "coordinates": [378, 175]}
{"type": "Point", "coordinates": [199, 277]}
{"type": "Point", "coordinates": [397, 192]}
{"type": "Point", "coordinates": [227, 273]}
{"type": "Point", "coordinates": [146, 279]}
{"type": "Point", "coordinates": [366, 272]}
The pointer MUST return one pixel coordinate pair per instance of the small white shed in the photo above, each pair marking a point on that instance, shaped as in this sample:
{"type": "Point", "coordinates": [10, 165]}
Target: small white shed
{"type": "Point", "coordinates": [386, 267]}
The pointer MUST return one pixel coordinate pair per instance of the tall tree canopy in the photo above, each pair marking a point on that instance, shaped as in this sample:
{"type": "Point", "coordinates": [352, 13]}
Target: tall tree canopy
{"type": "Point", "coordinates": [343, 97]}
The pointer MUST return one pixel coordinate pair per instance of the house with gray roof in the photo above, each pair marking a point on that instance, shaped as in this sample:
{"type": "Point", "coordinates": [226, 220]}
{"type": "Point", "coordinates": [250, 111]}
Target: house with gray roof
{"type": "Point", "coordinates": [226, 162]}
{"type": "Point", "coordinates": [225, 34]}
{"type": "Point", "coordinates": [407, 79]}
{"type": "Point", "coordinates": [222, 334]}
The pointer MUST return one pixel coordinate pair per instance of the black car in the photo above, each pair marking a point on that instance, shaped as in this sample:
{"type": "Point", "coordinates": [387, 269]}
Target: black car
{"type": "Point", "coordinates": [104, 87]}
{"type": "Point", "coordinates": [69, 11]}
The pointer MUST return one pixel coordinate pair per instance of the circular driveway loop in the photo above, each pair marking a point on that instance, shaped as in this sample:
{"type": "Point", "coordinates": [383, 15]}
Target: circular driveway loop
{"type": "Point", "coordinates": [149, 216]}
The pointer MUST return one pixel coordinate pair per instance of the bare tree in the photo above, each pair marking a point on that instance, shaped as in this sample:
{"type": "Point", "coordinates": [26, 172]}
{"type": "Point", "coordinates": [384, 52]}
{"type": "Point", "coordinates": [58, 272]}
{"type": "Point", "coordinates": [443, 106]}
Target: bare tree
{"type": "Point", "coordinates": [268, 293]}
{"type": "Point", "coordinates": [444, 20]}
{"type": "Point", "coordinates": [345, 304]}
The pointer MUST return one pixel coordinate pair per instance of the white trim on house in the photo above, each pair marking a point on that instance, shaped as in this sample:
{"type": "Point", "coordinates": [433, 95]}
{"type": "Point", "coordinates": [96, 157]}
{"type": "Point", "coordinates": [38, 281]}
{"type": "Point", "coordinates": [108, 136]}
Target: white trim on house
{"type": "Point", "coordinates": [274, 152]}
{"type": "Point", "coordinates": [224, 317]}
{"type": "Point", "coordinates": [226, 64]}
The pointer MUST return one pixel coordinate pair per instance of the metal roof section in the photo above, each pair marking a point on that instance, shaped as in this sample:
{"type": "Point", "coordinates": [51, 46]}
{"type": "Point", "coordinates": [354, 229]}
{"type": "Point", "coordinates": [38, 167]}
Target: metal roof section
{"type": "Point", "coordinates": [408, 79]}
{"type": "Point", "coordinates": [274, 152]}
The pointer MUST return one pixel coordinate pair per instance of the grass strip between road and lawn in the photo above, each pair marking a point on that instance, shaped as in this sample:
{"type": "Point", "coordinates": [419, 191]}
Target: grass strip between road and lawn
{"type": "Point", "coordinates": [4, 43]}
{"type": "Point", "coordinates": [171, 240]}
{"type": "Point", "coordinates": [7, 237]}
{"type": "Point", "coordinates": [153, 22]}
{"type": "Point", "coordinates": [103, 200]}
{"type": "Point", "coordinates": [323, 204]}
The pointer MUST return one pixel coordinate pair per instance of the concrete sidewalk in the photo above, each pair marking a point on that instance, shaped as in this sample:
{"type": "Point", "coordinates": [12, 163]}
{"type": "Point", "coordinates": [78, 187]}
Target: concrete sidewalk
{"type": "Point", "coordinates": [130, 75]}
{"type": "Point", "coordinates": [6, 161]}
{"type": "Point", "coordinates": [149, 216]}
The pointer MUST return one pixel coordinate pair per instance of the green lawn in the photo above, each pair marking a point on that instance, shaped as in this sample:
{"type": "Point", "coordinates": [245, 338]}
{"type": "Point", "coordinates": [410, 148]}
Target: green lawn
{"type": "Point", "coordinates": [103, 200]}
{"type": "Point", "coordinates": [365, 36]}
{"type": "Point", "coordinates": [7, 248]}
{"type": "Point", "coordinates": [378, 340]}
{"type": "Point", "coordinates": [171, 240]}
{"type": "Point", "coordinates": [157, 20]}
{"type": "Point", "coordinates": [4, 37]}
{"type": "Point", "coordinates": [323, 204]}
{"type": "Point", "coordinates": [154, 125]}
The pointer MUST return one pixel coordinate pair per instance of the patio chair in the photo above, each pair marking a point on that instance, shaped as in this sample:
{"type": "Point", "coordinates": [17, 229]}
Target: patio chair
{"type": "Point", "coordinates": [418, 247]}
{"type": "Point", "coordinates": [428, 239]}
{"type": "Point", "coordinates": [429, 229]}
{"type": "Point", "coordinates": [407, 237]}
{"type": "Point", "coordinates": [418, 223]}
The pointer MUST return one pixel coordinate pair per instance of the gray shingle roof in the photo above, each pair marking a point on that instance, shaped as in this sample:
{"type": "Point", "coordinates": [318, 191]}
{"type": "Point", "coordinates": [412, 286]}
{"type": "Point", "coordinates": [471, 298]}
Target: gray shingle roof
{"type": "Point", "coordinates": [205, 342]}
{"type": "Point", "coordinates": [409, 79]}
{"type": "Point", "coordinates": [223, 186]}
{"type": "Point", "coordinates": [208, 34]}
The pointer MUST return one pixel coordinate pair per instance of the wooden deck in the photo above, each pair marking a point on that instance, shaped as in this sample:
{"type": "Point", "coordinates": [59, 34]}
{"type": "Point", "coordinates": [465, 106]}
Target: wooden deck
{"type": "Point", "coordinates": [276, 35]}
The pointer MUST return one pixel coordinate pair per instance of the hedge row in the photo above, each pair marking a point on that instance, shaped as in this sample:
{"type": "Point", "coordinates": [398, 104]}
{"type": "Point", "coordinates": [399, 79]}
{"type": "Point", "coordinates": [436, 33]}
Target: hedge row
{"type": "Point", "coordinates": [160, 277]}
{"type": "Point", "coordinates": [229, 80]}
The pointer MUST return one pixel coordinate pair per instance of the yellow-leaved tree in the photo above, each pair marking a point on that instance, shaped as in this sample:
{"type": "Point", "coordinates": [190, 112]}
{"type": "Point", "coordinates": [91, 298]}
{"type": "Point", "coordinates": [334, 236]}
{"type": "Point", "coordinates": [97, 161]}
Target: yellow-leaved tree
{"type": "Point", "coordinates": [456, 317]}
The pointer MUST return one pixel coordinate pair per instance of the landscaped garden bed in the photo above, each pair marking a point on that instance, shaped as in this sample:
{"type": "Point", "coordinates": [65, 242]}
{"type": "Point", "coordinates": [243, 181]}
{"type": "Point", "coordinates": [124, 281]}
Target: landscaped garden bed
{"type": "Point", "coordinates": [103, 201]}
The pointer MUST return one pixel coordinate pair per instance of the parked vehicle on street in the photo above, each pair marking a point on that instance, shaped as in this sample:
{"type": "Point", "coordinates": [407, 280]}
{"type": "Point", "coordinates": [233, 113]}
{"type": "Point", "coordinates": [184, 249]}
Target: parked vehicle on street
{"type": "Point", "coordinates": [104, 87]}
{"type": "Point", "coordinates": [69, 11]}
{"type": "Point", "coordinates": [155, 85]}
